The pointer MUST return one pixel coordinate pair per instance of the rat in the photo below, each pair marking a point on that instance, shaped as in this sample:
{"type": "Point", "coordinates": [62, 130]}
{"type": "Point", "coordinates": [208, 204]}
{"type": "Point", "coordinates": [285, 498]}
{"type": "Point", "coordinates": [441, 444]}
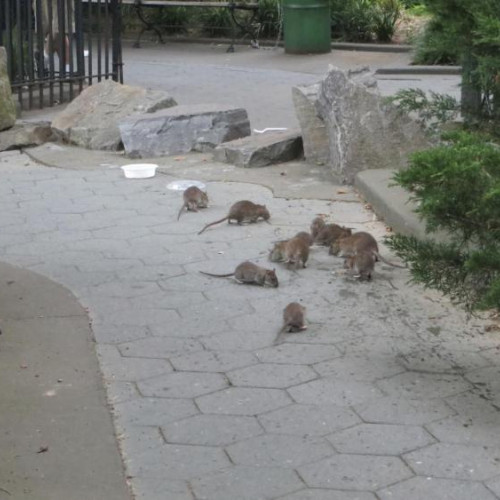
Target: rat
{"type": "Point", "coordinates": [330, 233]}
{"type": "Point", "coordinates": [243, 211]}
{"type": "Point", "coordinates": [305, 236]}
{"type": "Point", "coordinates": [194, 198]}
{"type": "Point", "coordinates": [293, 251]}
{"type": "Point", "coordinates": [357, 243]}
{"type": "Point", "coordinates": [293, 320]}
{"type": "Point", "coordinates": [250, 273]}
{"type": "Point", "coordinates": [316, 225]}
{"type": "Point", "coordinates": [362, 264]}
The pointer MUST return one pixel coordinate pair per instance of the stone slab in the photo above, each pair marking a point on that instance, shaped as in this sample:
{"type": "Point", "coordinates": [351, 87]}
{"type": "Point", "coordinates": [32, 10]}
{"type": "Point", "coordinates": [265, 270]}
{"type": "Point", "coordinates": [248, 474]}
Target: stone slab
{"type": "Point", "coordinates": [260, 150]}
{"type": "Point", "coordinates": [182, 129]}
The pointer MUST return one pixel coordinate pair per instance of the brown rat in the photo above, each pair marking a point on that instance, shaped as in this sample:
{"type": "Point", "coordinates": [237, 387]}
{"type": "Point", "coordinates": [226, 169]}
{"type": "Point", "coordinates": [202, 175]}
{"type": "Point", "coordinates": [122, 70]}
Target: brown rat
{"type": "Point", "coordinates": [307, 237]}
{"type": "Point", "coordinates": [330, 233]}
{"type": "Point", "coordinates": [316, 225]}
{"type": "Point", "coordinates": [250, 273]}
{"type": "Point", "coordinates": [357, 243]}
{"type": "Point", "coordinates": [293, 319]}
{"type": "Point", "coordinates": [362, 264]}
{"type": "Point", "coordinates": [243, 211]}
{"type": "Point", "coordinates": [293, 251]}
{"type": "Point", "coordinates": [194, 198]}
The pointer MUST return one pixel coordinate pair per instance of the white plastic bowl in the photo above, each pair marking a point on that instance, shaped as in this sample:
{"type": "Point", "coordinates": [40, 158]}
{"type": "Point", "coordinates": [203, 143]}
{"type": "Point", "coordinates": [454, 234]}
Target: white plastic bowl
{"type": "Point", "coordinates": [139, 170]}
{"type": "Point", "coordinates": [182, 185]}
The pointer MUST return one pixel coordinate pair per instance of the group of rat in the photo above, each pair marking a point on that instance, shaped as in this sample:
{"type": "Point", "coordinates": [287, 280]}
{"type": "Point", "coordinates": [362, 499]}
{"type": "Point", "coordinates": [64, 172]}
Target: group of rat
{"type": "Point", "coordinates": [359, 250]}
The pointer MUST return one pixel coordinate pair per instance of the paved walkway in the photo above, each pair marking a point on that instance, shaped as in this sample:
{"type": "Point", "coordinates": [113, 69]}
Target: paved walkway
{"type": "Point", "coordinates": [391, 394]}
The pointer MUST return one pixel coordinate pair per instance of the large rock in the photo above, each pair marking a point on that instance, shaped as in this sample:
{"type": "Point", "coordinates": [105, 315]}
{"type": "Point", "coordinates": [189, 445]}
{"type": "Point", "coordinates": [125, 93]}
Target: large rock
{"type": "Point", "coordinates": [7, 104]}
{"type": "Point", "coordinates": [313, 129]}
{"type": "Point", "coordinates": [364, 130]}
{"type": "Point", "coordinates": [91, 120]}
{"type": "Point", "coordinates": [26, 134]}
{"type": "Point", "coordinates": [182, 129]}
{"type": "Point", "coordinates": [261, 150]}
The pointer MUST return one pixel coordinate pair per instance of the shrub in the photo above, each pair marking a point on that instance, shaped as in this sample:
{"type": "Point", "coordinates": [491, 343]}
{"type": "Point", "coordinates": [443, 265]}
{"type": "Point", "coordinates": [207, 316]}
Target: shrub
{"type": "Point", "coordinates": [386, 14]}
{"type": "Point", "coordinates": [437, 44]}
{"type": "Point", "coordinates": [364, 20]}
{"type": "Point", "coordinates": [432, 110]}
{"type": "Point", "coordinates": [215, 21]}
{"type": "Point", "coordinates": [172, 20]}
{"type": "Point", "coordinates": [269, 17]}
{"type": "Point", "coordinates": [457, 188]}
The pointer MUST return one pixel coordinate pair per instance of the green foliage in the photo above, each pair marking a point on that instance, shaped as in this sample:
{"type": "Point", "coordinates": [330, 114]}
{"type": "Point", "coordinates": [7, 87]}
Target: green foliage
{"type": "Point", "coordinates": [385, 16]}
{"type": "Point", "coordinates": [467, 32]}
{"type": "Point", "coordinates": [173, 20]}
{"type": "Point", "coordinates": [364, 20]}
{"type": "Point", "coordinates": [216, 22]}
{"type": "Point", "coordinates": [432, 110]}
{"type": "Point", "coordinates": [457, 189]}
{"type": "Point", "coordinates": [437, 44]}
{"type": "Point", "coordinates": [269, 17]}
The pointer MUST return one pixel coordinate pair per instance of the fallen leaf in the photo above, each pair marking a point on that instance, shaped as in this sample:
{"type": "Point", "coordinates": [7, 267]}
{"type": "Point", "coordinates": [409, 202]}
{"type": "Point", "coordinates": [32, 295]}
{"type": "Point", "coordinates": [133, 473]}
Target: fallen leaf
{"type": "Point", "coordinates": [179, 158]}
{"type": "Point", "coordinates": [342, 191]}
{"type": "Point", "coordinates": [43, 449]}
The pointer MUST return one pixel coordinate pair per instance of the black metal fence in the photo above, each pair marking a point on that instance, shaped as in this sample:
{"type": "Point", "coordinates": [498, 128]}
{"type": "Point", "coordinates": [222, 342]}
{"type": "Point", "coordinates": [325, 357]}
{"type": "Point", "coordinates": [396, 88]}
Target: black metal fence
{"type": "Point", "coordinates": [57, 47]}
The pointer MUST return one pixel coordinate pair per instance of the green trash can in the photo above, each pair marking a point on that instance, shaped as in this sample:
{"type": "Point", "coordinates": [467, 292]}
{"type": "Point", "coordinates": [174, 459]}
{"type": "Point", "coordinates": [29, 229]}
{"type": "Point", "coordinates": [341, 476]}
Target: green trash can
{"type": "Point", "coordinates": [306, 26]}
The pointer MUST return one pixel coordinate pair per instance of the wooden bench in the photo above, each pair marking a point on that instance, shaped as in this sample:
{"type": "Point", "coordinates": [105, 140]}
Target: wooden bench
{"type": "Point", "coordinates": [233, 6]}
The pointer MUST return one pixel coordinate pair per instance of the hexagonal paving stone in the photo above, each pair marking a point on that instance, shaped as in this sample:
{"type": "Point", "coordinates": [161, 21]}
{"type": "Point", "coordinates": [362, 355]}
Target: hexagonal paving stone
{"type": "Point", "coordinates": [116, 367]}
{"type": "Point", "coordinates": [334, 391]}
{"type": "Point", "coordinates": [395, 410]}
{"type": "Point", "coordinates": [466, 430]}
{"type": "Point", "coordinates": [159, 347]}
{"type": "Point", "coordinates": [271, 375]}
{"type": "Point", "coordinates": [317, 494]}
{"type": "Point", "coordinates": [423, 385]}
{"type": "Point", "coordinates": [243, 401]}
{"type": "Point", "coordinates": [360, 368]}
{"type": "Point", "coordinates": [182, 385]}
{"type": "Point", "coordinates": [237, 340]}
{"type": "Point", "coordinates": [380, 439]}
{"type": "Point", "coordinates": [308, 420]}
{"type": "Point", "coordinates": [246, 483]}
{"type": "Point", "coordinates": [279, 451]}
{"type": "Point", "coordinates": [213, 361]}
{"type": "Point", "coordinates": [160, 488]}
{"type": "Point", "coordinates": [489, 377]}
{"type": "Point", "coordinates": [177, 461]}
{"type": "Point", "coordinates": [455, 461]}
{"type": "Point", "coordinates": [422, 488]}
{"type": "Point", "coordinates": [212, 430]}
{"type": "Point", "coordinates": [300, 354]}
{"type": "Point", "coordinates": [355, 472]}
{"type": "Point", "coordinates": [153, 411]}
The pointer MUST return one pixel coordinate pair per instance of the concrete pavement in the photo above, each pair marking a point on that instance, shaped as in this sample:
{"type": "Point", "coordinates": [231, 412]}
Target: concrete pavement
{"type": "Point", "coordinates": [391, 393]}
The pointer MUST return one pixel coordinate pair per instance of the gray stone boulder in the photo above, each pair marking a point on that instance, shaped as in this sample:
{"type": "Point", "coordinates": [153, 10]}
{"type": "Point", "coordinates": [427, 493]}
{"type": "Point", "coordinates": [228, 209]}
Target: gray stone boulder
{"type": "Point", "coordinates": [182, 129]}
{"type": "Point", "coordinates": [26, 134]}
{"type": "Point", "coordinates": [91, 120]}
{"type": "Point", "coordinates": [364, 130]}
{"type": "Point", "coordinates": [261, 150]}
{"type": "Point", "coordinates": [313, 128]}
{"type": "Point", "coordinates": [7, 104]}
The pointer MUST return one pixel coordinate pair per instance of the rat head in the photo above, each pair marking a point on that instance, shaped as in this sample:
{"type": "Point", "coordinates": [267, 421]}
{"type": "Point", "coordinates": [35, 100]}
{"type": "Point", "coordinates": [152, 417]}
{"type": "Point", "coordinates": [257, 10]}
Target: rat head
{"type": "Point", "coordinates": [335, 247]}
{"type": "Point", "coordinates": [203, 203]}
{"type": "Point", "coordinates": [316, 225]}
{"type": "Point", "coordinates": [305, 236]}
{"type": "Point", "coordinates": [263, 212]}
{"type": "Point", "coordinates": [271, 279]}
{"type": "Point", "coordinates": [278, 252]}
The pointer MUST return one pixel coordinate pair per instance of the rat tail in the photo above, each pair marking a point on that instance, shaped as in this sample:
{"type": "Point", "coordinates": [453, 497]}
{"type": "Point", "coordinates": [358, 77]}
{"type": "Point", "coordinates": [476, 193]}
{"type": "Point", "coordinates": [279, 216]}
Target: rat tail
{"type": "Point", "coordinates": [217, 275]}
{"type": "Point", "coordinates": [213, 224]}
{"type": "Point", "coordinates": [180, 212]}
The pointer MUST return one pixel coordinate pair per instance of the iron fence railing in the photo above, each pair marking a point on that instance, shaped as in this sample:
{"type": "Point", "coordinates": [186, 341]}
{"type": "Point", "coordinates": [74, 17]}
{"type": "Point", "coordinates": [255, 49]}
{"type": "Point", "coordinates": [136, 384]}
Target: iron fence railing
{"type": "Point", "coordinates": [57, 47]}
